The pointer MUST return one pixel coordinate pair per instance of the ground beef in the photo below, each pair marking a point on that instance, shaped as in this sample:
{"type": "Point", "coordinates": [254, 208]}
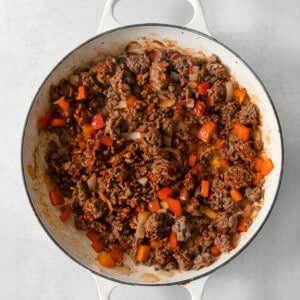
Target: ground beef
{"type": "Point", "coordinates": [130, 149]}
{"type": "Point", "coordinates": [158, 226]}
{"type": "Point", "coordinates": [183, 229]}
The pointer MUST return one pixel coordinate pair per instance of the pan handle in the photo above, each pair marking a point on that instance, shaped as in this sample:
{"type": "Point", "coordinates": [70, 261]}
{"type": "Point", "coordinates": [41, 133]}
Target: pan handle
{"type": "Point", "coordinates": [104, 286]}
{"type": "Point", "coordinates": [196, 288]}
{"type": "Point", "coordinates": [109, 22]}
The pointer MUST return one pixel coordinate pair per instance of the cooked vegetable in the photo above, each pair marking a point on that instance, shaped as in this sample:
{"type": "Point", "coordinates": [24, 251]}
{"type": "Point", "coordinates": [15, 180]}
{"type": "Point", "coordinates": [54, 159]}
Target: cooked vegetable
{"type": "Point", "coordinates": [156, 244]}
{"type": "Point", "coordinates": [215, 251]}
{"type": "Point", "coordinates": [124, 245]}
{"type": "Point", "coordinates": [202, 88]}
{"type": "Point", "coordinates": [98, 121]}
{"type": "Point", "coordinates": [204, 188]}
{"type": "Point", "coordinates": [56, 197]}
{"type": "Point", "coordinates": [164, 193]}
{"type": "Point", "coordinates": [173, 240]}
{"type": "Point", "coordinates": [220, 144]}
{"type": "Point", "coordinates": [63, 103]}
{"type": "Point", "coordinates": [153, 206]}
{"type": "Point", "coordinates": [44, 121]}
{"type": "Point", "coordinates": [143, 253]}
{"type": "Point", "coordinates": [131, 101]}
{"type": "Point", "coordinates": [81, 93]}
{"type": "Point", "coordinates": [244, 224]}
{"type": "Point", "coordinates": [184, 194]}
{"type": "Point", "coordinates": [210, 213]}
{"type": "Point", "coordinates": [174, 206]}
{"type": "Point", "coordinates": [116, 255]}
{"type": "Point", "coordinates": [236, 195]}
{"type": "Point", "coordinates": [57, 122]}
{"type": "Point", "coordinates": [106, 140]}
{"type": "Point", "coordinates": [105, 260]}
{"type": "Point", "coordinates": [93, 235]}
{"type": "Point", "coordinates": [131, 136]}
{"type": "Point", "coordinates": [199, 109]}
{"type": "Point", "coordinates": [98, 246]}
{"type": "Point", "coordinates": [225, 163]}
{"type": "Point", "coordinates": [88, 130]}
{"type": "Point", "coordinates": [206, 131]}
{"type": "Point", "coordinates": [66, 212]}
{"type": "Point", "coordinates": [239, 95]}
{"type": "Point", "coordinates": [266, 166]}
{"type": "Point", "coordinates": [229, 91]}
{"type": "Point", "coordinates": [192, 160]}
{"type": "Point", "coordinates": [241, 131]}
{"type": "Point", "coordinates": [141, 219]}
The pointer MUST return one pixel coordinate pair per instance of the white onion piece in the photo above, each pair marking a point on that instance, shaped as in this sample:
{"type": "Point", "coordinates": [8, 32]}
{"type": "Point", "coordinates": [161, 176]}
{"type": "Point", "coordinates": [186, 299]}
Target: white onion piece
{"type": "Point", "coordinates": [132, 135]}
{"type": "Point", "coordinates": [92, 183]}
{"type": "Point", "coordinates": [105, 199]}
{"type": "Point", "coordinates": [141, 219]}
{"type": "Point", "coordinates": [164, 204]}
{"type": "Point", "coordinates": [148, 277]}
{"type": "Point", "coordinates": [190, 103]}
{"type": "Point", "coordinates": [122, 104]}
{"type": "Point", "coordinates": [143, 181]}
{"type": "Point", "coordinates": [161, 211]}
{"type": "Point", "coordinates": [165, 101]}
{"type": "Point", "coordinates": [193, 76]}
{"type": "Point", "coordinates": [229, 91]}
{"type": "Point", "coordinates": [123, 270]}
{"type": "Point", "coordinates": [174, 76]}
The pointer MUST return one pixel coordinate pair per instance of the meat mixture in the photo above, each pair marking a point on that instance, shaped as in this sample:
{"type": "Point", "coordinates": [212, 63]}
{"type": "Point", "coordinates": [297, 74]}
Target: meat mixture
{"type": "Point", "coordinates": [158, 154]}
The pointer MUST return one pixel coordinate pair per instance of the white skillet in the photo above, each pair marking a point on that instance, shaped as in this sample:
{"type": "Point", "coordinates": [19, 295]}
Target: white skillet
{"type": "Point", "coordinates": [111, 39]}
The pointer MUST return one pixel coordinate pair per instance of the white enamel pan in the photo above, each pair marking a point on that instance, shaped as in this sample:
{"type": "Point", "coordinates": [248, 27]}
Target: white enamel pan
{"type": "Point", "coordinates": [111, 39]}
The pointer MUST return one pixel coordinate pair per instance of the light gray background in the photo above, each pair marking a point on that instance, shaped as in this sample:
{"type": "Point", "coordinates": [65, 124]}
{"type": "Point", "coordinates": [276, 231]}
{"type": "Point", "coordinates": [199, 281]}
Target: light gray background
{"type": "Point", "coordinates": [34, 35]}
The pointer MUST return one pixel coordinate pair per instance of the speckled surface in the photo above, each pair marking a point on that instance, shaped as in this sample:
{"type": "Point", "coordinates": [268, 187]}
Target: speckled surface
{"type": "Point", "coordinates": [34, 35]}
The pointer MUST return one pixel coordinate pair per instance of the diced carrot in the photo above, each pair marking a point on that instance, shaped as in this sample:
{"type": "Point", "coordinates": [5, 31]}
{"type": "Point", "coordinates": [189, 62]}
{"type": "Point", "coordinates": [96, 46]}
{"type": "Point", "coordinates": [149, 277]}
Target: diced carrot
{"type": "Point", "coordinates": [244, 224]}
{"type": "Point", "coordinates": [206, 131]}
{"type": "Point", "coordinates": [98, 121]}
{"type": "Point", "coordinates": [257, 178]}
{"type": "Point", "coordinates": [257, 163]}
{"type": "Point", "coordinates": [124, 245]}
{"type": "Point", "coordinates": [236, 195]}
{"type": "Point", "coordinates": [131, 101]}
{"type": "Point", "coordinates": [266, 166]}
{"type": "Point", "coordinates": [98, 246]}
{"type": "Point", "coordinates": [174, 206]}
{"type": "Point", "coordinates": [192, 160]}
{"type": "Point", "coordinates": [66, 212]}
{"type": "Point", "coordinates": [153, 206]}
{"type": "Point", "coordinates": [93, 235]}
{"type": "Point", "coordinates": [164, 193]}
{"type": "Point", "coordinates": [88, 130]}
{"type": "Point", "coordinates": [106, 140]}
{"type": "Point", "coordinates": [156, 244]}
{"type": "Point", "coordinates": [184, 194]}
{"type": "Point", "coordinates": [143, 253]}
{"type": "Point", "coordinates": [44, 121]}
{"type": "Point", "coordinates": [241, 131]}
{"type": "Point", "coordinates": [116, 255]}
{"type": "Point", "coordinates": [139, 208]}
{"type": "Point", "coordinates": [214, 161]}
{"type": "Point", "coordinates": [56, 197]}
{"type": "Point", "coordinates": [210, 213]}
{"type": "Point", "coordinates": [220, 144]}
{"type": "Point", "coordinates": [239, 95]}
{"type": "Point", "coordinates": [57, 122]}
{"type": "Point", "coordinates": [215, 251]}
{"type": "Point", "coordinates": [202, 88]}
{"type": "Point", "coordinates": [81, 93]}
{"type": "Point", "coordinates": [105, 260]}
{"type": "Point", "coordinates": [204, 188]}
{"type": "Point", "coordinates": [173, 240]}
{"type": "Point", "coordinates": [63, 103]}
{"type": "Point", "coordinates": [225, 163]}
{"type": "Point", "coordinates": [199, 109]}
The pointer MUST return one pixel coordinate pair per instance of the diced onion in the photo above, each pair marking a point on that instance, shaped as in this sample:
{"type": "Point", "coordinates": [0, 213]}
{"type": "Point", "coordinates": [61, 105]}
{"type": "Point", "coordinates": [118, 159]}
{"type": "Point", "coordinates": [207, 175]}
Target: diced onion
{"type": "Point", "coordinates": [123, 270]}
{"type": "Point", "coordinates": [122, 104]}
{"type": "Point", "coordinates": [132, 135]}
{"type": "Point", "coordinates": [165, 274]}
{"type": "Point", "coordinates": [147, 277]}
{"type": "Point", "coordinates": [190, 103]}
{"type": "Point", "coordinates": [193, 76]}
{"type": "Point", "coordinates": [105, 199]}
{"type": "Point", "coordinates": [143, 181]}
{"type": "Point", "coordinates": [174, 76]}
{"type": "Point", "coordinates": [164, 205]}
{"type": "Point", "coordinates": [229, 91]}
{"type": "Point", "coordinates": [165, 102]}
{"type": "Point", "coordinates": [141, 219]}
{"type": "Point", "coordinates": [92, 182]}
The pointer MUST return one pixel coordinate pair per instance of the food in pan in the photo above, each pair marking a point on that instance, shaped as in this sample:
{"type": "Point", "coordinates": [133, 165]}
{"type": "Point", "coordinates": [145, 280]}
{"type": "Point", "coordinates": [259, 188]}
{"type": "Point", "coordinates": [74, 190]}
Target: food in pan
{"type": "Point", "coordinates": [157, 154]}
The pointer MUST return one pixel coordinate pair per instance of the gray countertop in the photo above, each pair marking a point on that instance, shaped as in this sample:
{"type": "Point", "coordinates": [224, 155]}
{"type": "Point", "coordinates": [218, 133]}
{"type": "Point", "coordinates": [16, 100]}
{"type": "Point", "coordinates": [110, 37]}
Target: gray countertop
{"type": "Point", "coordinates": [34, 35]}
